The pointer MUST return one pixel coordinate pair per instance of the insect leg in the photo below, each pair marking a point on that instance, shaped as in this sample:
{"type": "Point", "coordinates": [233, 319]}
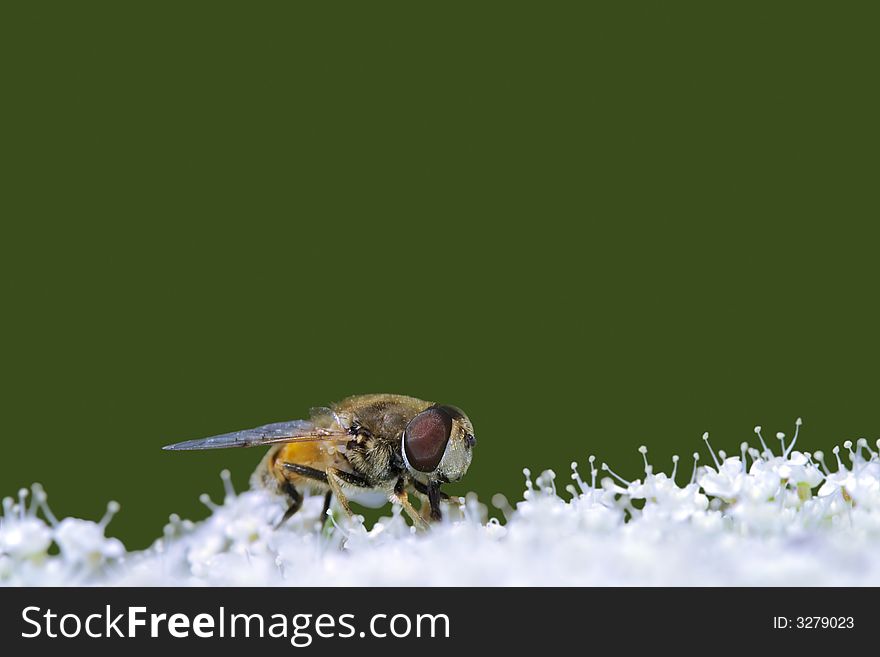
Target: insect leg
{"type": "Point", "coordinates": [327, 498]}
{"type": "Point", "coordinates": [424, 490]}
{"type": "Point", "coordinates": [308, 473]}
{"type": "Point", "coordinates": [296, 501]}
{"type": "Point", "coordinates": [399, 495]}
{"type": "Point", "coordinates": [336, 478]}
{"type": "Point", "coordinates": [419, 486]}
{"type": "Point", "coordinates": [434, 500]}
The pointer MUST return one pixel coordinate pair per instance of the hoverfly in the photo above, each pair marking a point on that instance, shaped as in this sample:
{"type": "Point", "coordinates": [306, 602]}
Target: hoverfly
{"type": "Point", "coordinates": [364, 447]}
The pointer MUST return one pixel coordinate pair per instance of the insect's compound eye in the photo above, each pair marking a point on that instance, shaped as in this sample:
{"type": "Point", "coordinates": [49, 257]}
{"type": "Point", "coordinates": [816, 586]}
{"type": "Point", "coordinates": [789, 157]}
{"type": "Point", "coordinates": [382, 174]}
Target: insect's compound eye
{"type": "Point", "coordinates": [425, 438]}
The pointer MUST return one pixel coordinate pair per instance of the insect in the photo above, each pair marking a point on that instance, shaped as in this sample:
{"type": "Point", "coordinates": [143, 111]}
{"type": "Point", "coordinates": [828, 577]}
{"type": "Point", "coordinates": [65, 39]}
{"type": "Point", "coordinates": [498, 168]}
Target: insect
{"type": "Point", "coordinates": [367, 447]}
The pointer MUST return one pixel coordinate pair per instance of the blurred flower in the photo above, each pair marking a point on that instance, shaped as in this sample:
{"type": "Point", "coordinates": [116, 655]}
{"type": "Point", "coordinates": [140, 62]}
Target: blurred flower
{"type": "Point", "coordinates": [23, 536]}
{"type": "Point", "coordinates": [25, 540]}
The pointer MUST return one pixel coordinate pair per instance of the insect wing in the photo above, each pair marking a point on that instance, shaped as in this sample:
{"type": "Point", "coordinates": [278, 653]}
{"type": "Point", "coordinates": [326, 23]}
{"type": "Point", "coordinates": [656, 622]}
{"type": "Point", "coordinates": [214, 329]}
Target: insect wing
{"type": "Point", "coordinates": [280, 432]}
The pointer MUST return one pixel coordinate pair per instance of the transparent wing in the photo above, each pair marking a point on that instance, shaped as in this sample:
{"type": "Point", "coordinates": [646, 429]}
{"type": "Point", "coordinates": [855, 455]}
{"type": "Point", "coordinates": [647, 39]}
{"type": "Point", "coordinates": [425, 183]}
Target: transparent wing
{"type": "Point", "coordinates": [294, 431]}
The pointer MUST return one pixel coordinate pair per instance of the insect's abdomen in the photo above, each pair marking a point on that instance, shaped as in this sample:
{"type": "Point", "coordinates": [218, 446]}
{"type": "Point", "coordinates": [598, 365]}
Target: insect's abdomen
{"type": "Point", "coordinates": [272, 474]}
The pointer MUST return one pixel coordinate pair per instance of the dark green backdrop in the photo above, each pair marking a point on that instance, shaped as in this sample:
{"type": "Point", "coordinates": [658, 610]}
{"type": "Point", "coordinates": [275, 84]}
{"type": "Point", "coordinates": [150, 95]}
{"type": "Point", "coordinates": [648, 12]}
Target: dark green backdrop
{"type": "Point", "coordinates": [590, 229]}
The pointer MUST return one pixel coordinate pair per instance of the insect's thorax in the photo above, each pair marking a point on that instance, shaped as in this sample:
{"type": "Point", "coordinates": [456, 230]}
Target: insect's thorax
{"type": "Point", "coordinates": [377, 423]}
{"type": "Point", "coordinates": [384, 416]}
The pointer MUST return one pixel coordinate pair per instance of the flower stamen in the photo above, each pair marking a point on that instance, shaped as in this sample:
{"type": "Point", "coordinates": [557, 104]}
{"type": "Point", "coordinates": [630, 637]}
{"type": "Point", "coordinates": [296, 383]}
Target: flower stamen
{"type": "Point", "coordinates": [767, 450]}
{"type": "Point", "coordinates": [711, 451]}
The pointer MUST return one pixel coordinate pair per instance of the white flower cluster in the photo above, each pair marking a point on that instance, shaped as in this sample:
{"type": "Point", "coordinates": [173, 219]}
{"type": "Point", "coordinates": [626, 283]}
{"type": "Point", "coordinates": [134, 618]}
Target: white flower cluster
{"type": "Point", "coordinates": [26, 541]}
{"type": "Point", "coordinates": [759, 518]}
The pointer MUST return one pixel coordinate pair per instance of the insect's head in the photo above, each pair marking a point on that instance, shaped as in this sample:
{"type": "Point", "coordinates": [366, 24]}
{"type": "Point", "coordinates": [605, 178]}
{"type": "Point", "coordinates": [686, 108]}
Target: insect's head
{"type": "Point", "coordinates": [438, 444]}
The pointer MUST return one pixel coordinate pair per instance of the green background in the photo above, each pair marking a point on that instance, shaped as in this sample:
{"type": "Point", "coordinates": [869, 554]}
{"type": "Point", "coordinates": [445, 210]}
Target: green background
{"type": "Point", "coordinates": [591, 229]}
